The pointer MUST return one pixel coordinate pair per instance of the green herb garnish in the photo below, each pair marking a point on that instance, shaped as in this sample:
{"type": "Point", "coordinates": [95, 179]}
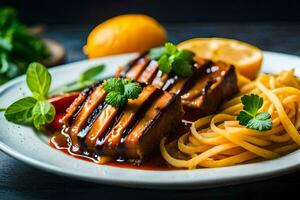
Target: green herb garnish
{"type": "Point", "coordinates": [250, 117]}
{"type": "Point", "coordinates": [170, 59]}
{"type": "Point", "coordinates": [86, 79]}
{"type": "Point", "coordinates": [120, 90]}
{"type": "Point", "coordinates": [18, 47]}
{"type": "Point", "coordinates": [92, 74]}
{"type": "Point", "coordinates": [43, 113]}
{"type": "Point", "coordinates": [34, 110]}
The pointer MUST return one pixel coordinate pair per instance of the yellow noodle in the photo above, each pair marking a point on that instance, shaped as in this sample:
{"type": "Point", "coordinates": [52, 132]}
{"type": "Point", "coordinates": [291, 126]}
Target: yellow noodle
{"type": "Point", "coordinates": [219, 140]}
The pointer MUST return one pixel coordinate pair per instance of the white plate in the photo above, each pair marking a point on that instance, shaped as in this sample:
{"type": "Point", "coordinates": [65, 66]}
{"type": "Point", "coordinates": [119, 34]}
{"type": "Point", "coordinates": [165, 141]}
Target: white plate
{"type": "Point", "coordinates": [30, 147]}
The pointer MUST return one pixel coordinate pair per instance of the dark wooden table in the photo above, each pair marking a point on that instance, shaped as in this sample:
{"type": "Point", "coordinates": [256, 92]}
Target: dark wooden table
{"type": "Point", "coordinates": [20, 181]}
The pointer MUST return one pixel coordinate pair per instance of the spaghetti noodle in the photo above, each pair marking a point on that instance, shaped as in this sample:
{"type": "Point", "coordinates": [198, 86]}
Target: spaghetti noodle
{"type": "Point", "coordinates": [218, 140]}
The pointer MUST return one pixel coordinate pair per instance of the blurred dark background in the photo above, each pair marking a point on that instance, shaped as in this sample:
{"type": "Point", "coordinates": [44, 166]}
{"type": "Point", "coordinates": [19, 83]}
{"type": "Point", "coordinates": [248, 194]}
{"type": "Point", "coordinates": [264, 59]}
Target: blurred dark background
{"type": "Point", "coordinates": [166, 11]}
{"type": "Point", "coordinates": [270, 25]}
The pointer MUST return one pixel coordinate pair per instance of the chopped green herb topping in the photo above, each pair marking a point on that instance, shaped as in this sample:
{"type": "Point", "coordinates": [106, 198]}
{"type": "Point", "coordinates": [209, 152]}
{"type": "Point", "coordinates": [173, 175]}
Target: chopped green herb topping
{"type": "Point", "coordinates": [120, 90]}
{"type": "Point", "coordinates": [250, 117]}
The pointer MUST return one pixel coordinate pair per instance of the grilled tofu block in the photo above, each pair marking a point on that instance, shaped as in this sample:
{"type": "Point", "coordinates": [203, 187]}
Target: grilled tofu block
{"type": "Point", "coordinates": [217, 85]}
{"type": "Point", "coordinates": [132, 131]}
{"type": "Point", "coordinates": [210, 84]}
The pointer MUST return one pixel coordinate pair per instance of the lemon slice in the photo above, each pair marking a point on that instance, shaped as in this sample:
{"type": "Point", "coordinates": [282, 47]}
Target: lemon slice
{"type": "Point", "coordinates": [245, 57]}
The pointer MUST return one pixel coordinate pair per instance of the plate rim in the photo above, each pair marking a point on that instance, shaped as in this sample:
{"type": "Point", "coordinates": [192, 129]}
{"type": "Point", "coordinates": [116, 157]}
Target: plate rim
{"type": "Point", "coordinates": [184, 184]}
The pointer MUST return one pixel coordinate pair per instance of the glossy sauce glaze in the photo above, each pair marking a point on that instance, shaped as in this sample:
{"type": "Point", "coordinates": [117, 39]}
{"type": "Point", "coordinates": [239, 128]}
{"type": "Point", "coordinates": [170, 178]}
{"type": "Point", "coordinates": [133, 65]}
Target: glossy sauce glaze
{"type": "Point", "coordinates": [155, 162]}
{"type": "Point", "coordinates": [97, 129]}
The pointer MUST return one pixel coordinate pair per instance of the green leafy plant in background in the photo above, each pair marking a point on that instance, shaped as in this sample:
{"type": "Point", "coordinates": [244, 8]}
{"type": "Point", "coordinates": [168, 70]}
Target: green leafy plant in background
{"type": "Point", "coordinates": [18, 47]}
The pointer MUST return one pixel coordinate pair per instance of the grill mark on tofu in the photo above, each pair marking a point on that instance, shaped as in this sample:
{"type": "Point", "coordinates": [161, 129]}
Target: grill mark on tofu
{"type": "Point", "coordinates": [92, 118]}
{"type": "Point", "coordinates": [90, 105]}
{"type": "Point", "coordinates": [149, 73]}
{"type": "Point", "coordinates": [213, 73]}
{"type": "Point", "coordinates": [178, 86]}
{"type": "Point", "coordinates": [170, 82]}
{"type": "Point", "coordinates": [74, 109]}
{"type": "Point", "coordinates": [142, 126]}
{"type": "Point", "coordinates": [100, 129]}
{"type": "Point", "coordinates": [131, 131]}
{"type": "Point", "coordinates": [130, 115]}
{"type": "Point", "coordinates": [160, 79]}
{"type": "Point", "coordinates": [101, 125]}
{"type": "Point", "coordinates": [139, 116]}
{"type": "Point", "coordinates": [182, 85]}
{"type": "Point", "coordinates": [129, 65]}
{"type": "Point", "coordinates": [195, 90]}
{"type": "Point", "coordinates": [135, 71]}
{"type": "Point", "coordinates": [213, 93]}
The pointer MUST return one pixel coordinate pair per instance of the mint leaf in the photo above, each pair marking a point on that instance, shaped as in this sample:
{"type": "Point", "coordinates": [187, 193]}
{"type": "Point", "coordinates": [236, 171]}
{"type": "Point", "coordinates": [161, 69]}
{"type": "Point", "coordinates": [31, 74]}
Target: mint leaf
{"type": "Point", "coordinates": [34, 109]}
{"type": "Point", "coordinates": [261, 122]}
{"type": "Point", "coordinates": [43, 113]}
{"type": "Point", "coordinates": [92, 74]}
{"type": "Point", "coordinates": [250, 117]}
{"type": "Point", "coordinates": [38, 80]}
{"type": "Point", "coordinates": [20, 112]}
{"type": "Point", "coordinates": [132, 90]}
{"type": "Point", "coordinates": [115, 99]}
{"type": "Point", "coordinates": [156, 53]}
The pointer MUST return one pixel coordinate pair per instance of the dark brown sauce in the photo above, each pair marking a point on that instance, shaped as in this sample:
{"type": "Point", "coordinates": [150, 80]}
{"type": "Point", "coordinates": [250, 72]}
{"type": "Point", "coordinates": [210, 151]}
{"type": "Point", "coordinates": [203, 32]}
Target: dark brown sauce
{"type": "Point", "coordinates": [155, 162]}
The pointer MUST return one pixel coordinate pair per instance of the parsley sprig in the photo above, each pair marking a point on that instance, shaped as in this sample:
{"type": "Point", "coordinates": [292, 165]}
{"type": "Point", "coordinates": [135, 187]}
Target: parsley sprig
{"type": "Point", "coordinates": [120, 90]}
{"type": "Point", "coordinates": [34, 109]}
{"type": "Point", "coordinates": [250, 117]}
{"type": "Point", "coordinates": [170, 59]}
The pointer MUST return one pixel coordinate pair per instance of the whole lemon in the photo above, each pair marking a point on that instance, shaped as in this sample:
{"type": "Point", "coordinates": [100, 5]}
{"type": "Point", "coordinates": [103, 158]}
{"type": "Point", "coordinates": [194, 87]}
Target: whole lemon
{"type": "Point", "coordinates": [123, 34]}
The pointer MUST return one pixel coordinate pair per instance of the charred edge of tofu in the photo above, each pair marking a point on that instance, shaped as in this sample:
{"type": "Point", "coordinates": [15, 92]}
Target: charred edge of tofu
{"type": "Point", "coordinates": [79, 118]}
{"type": "Point", "coordinates": [146, 71]}
{"type": "Point", "coordinates": [111, 143]}
{"type": "Point", "coordinates": [124, 70]}
{"type": "Point", "coordinates": [210, 84]}
{"type": "Point", "coordinates": [140, 146]}
{"type": "Point", "coordinates": [100, 129]}
{"type": "Point", "coordinates": [77, 104]}
{"type": "Point", "coordinates": [218, 85]}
